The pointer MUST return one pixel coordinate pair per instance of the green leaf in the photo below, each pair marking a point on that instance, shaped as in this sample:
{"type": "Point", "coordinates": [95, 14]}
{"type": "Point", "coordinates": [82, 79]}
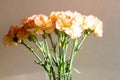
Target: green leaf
{"type": "Point", "coordinates": [76, 70]}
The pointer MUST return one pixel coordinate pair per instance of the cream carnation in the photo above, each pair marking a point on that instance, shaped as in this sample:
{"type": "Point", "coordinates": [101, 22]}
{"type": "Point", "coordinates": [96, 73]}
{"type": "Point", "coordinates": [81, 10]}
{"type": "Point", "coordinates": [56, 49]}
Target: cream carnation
{"type": "Point", "coordinates": [70, 23]}
{"type": "Point", "coordinates": [93, 23]}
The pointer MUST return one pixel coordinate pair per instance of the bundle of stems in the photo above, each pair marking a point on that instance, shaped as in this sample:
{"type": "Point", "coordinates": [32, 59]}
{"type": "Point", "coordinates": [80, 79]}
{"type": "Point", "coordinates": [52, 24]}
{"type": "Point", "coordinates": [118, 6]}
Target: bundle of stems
{"type": "Point", "coordinates": [55, 63]}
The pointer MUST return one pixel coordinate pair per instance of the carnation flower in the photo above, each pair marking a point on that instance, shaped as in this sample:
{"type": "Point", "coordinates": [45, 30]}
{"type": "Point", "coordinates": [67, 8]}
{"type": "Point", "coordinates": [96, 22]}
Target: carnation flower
{"type": "Point", "coordinates": [38, 24]}
{"type": "Point", "coordinates": [93, 23]}
{"type": "Point", "coordinates": [69, 22]}
{"type": "Point", "coordinates": [23, 34]}
{"type": "Point", "coordinates": [34, 24]}
{"type": "Point", "coordinates": [10, 38]}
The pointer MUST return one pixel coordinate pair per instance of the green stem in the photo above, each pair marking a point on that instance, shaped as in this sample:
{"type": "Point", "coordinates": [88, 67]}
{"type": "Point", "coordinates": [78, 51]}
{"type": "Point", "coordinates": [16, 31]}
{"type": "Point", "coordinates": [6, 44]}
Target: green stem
{"type": "Point", "coordinates": [53, 72]}
{"type": "Point", "coordinates": [32, 50]}
{"type": "Point", "coordinates": [71, 59]}
{"type": "Point", "coordinates": [47, 49]}
{"type": "Point", "coordinates": [87, 32]}
{"type": "Point", "coordinates": [36, 55]}
{"type": "Point", "coordinates": [40, 47]}
{"type": "Point", "coordinates": [50, 76]}
{"type": "Point", "coordinates": [49, 60]}
{"type": "Point", "coordinates": [81, 42]}
{"type": "Point", "coordinates": [76, 47]}
{"type": "Point", "coordinates": [63, 41]}
{"type": "Point", "coordinates": [52, 43]}
{"type": "Point", "coordinates": [61, 55]}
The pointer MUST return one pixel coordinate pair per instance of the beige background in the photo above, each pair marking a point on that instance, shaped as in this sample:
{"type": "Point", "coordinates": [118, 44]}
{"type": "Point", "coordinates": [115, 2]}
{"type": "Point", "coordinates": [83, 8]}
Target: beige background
{"type": "Point", "coordinates": [99, 58]}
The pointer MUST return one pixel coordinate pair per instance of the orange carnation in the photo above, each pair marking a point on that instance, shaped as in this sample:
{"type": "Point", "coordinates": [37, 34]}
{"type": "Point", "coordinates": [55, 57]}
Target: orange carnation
{"type": "Point", "coordinates": [10, 38]}
{"type": "Point", "coordinates": [38, 24]}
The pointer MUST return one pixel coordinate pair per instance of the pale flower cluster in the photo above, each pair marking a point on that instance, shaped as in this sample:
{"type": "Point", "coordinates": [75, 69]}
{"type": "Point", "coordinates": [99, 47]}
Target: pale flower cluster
{"type": "Point", "coordinates": [72, 23]}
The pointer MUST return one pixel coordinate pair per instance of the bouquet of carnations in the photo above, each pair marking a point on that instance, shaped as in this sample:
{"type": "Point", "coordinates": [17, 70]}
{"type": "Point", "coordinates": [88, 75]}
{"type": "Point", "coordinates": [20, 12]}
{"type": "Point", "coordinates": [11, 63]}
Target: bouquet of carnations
{"type": "Point", "coordinates": [58, 28]}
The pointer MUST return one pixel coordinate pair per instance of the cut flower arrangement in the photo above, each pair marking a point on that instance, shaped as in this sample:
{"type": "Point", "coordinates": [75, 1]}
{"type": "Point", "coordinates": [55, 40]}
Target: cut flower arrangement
{"type": "Point", "coordinates": [53, 57]}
